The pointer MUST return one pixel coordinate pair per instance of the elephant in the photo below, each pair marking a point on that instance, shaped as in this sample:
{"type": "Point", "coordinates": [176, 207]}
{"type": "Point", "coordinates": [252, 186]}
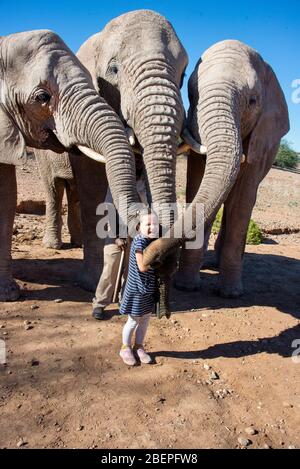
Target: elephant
{"type": "Point", "coordinates": [137, 64]}
{"type": "Point", "coordinates": [57, 177]}
{"type": "Point", "coordinates": [239, 114]}
{"type": "Point", "coordinates": [48, 101]}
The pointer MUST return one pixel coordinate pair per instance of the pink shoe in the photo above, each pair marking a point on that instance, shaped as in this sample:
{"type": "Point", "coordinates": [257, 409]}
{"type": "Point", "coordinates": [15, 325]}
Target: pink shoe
{"type": "Point", "coordinates": [127, 356]}
{"type": "Point", "coordinates": [143, 356]}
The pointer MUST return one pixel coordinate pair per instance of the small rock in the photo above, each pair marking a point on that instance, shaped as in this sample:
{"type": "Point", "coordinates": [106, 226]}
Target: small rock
{"type": "Point", "coordinates": [28, 327]}
{"type": "Point", "coordinates": [26, 323]}
{"type": "Point", "coordinates": [108, 435]}
{"type": "Point", "coordinates": [21, 442]}
{"type": "Point", "coordinates": [251, 431]}
{"type": "Point", "coordinates": [206, 366]}
{"type": "Point", "coordinates": [5, 333]}
{"type": "Point", "coordinates": [214, 376]}
{"type": "Point", "coordinates": [19, 406]}
{"type": "Point", "coordinates": [244, 441]}
{"type": "Point", "coordinates": [58, 300]}
{"type": "Point", "coordinates": [292, 447]}
{"type": "Point", "coordinates": [266, 446]}
{"type": "Point", "coordinates": [161, 400]}
{"type": "Point", "coordinates": [34, 307]}
{"type": "Point", "coordinates": [80, 428]}
{"type": "Point", "coordinates": [2, 326]}
{"type": "Point", "coordinates": [34, 362]}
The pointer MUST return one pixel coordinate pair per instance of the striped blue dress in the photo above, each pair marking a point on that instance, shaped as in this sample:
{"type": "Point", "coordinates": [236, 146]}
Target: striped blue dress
{"type": "Point", "coordinates": [139, 293]}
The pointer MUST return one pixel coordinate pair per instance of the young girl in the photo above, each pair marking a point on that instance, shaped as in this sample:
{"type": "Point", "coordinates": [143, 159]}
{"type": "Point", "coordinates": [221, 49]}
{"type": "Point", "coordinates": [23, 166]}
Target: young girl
{"type": "Point", "coordinates": [139, 294]}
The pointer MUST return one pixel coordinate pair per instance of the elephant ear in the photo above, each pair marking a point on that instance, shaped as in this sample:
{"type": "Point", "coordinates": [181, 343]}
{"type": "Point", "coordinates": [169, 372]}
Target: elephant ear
{"type": "Point", "coordinates": [12, 144]}
{"type": "Point", "coordinates": [273, 123]}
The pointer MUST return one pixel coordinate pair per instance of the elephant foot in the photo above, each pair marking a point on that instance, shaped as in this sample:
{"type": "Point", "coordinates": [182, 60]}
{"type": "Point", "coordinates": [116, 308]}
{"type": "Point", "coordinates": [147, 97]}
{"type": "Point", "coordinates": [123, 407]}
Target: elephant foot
{"type": "Point", "coordinates": [187, 282]}
{"type": "Point", "coordinates": [226, 290]}
{"type": "Point", "coordinates": [88, 281]}
{"type": "Point", "coordinates": [9, 290]}
{"type": "Point", "coordinates": [51, 242]}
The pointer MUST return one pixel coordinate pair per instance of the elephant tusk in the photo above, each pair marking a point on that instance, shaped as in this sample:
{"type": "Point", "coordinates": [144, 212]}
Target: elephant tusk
{"type": "Point", "coordinates": [130, 136]}
{"type": "Point", "coordinates": [192, 143]}
{"type": "Point", "coordinates": [92, 154]}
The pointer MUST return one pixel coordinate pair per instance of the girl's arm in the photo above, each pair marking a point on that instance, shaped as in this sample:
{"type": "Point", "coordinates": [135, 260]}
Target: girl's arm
{"type": "Point", "coordinates": [140, 263]}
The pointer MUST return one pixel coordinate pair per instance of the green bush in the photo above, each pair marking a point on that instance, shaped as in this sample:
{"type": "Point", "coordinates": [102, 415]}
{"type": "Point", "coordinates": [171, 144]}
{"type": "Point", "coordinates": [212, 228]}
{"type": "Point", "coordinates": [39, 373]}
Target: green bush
{"type": "Point", "coordinates": [286, 156]}
{"type": "Point", "coordinates": [254, 235]}
{"type": "Point", "coordinates": [217, 223]}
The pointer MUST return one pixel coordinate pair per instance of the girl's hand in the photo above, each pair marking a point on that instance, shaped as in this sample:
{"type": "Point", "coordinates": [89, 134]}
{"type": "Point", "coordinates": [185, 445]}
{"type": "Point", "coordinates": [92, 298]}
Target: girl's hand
{"type": "Point", "coordinates": [121, 243]}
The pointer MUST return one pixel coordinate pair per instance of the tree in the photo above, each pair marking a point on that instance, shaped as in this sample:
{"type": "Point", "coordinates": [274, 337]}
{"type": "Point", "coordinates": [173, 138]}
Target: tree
{"type": "Point", "coordinates": [286, 156]}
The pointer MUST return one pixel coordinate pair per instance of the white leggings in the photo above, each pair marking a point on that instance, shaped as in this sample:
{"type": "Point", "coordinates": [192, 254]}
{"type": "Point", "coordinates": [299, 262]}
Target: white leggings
{"type": "Point", "coordinates": [139, 325]}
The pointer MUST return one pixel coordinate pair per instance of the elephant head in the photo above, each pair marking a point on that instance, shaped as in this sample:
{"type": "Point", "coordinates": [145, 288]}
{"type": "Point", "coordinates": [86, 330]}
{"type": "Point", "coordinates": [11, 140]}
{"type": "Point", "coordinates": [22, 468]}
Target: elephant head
{"type": "Point", "coordinates": [137, 63]}
{"type": "Point", "coordinates": [237, 110]}
{"type": "Point", "coordinates": [48, 101]}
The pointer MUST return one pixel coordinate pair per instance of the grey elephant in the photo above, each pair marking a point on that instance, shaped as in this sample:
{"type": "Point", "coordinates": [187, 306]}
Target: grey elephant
{"type": "Point", "coordinates": [137, 64]}
{"type": "Point", "coordinates": [239, 113]}
{"type": "Point", "coordinates": [48, 101]}
{"type": "Point", "coordinates": [57, 178]}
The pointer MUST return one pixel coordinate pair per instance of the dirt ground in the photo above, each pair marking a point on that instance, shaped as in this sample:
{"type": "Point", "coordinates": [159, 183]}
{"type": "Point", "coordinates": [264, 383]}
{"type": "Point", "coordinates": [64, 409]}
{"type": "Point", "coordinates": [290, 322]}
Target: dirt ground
{"type": "Point", "coordinates": [221, 366]}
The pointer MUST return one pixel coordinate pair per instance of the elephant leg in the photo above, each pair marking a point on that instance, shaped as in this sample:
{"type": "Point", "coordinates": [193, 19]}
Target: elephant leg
{"type": "Point", "coordinates": [237, 210]}
{"type": "Point", "coordinates": [187, 277]}
{"type": "Point", "coordinates": [237, 213]}
{"type": "Point", "coordinates": [52, 237]}
{"type": "Point", "coordinates": [9, 289]}
{"type": "Point", "coordinates": [91, 183]}
{"type": "Point", "coordinates": [74, 217]}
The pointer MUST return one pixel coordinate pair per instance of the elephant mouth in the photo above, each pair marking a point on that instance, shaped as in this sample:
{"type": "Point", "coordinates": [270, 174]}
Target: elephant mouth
{"type": "Point", "coordinates": [51, 142]}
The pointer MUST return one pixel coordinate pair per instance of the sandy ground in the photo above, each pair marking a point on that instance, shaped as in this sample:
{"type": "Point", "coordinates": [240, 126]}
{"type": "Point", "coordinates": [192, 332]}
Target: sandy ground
{"type": "Point", "coordinates": [220, 366]}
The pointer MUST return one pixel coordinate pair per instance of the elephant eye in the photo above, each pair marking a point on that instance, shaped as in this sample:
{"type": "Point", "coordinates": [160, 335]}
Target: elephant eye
{"type": "Point", "coordinates": [252, 100]}
{"type": "Point", "coordinates": [112, 68]}
{"type": "Point", "coordinates": [43, 97]}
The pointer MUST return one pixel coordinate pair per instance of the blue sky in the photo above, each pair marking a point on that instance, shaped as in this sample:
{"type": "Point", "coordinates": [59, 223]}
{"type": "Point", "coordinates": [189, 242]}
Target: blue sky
{"type": "Point", "coordinates": [269, 26]}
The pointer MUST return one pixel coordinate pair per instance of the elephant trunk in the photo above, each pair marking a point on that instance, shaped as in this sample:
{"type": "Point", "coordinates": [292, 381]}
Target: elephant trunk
{"type": "Point", "coordinates": [93, 124]}
{"type": "Point", "coordinates": [219, 126]}
{"type": "Point", "coordinates": [158, 122]}
{"type": "Point", "coordinates": [220, 131]}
